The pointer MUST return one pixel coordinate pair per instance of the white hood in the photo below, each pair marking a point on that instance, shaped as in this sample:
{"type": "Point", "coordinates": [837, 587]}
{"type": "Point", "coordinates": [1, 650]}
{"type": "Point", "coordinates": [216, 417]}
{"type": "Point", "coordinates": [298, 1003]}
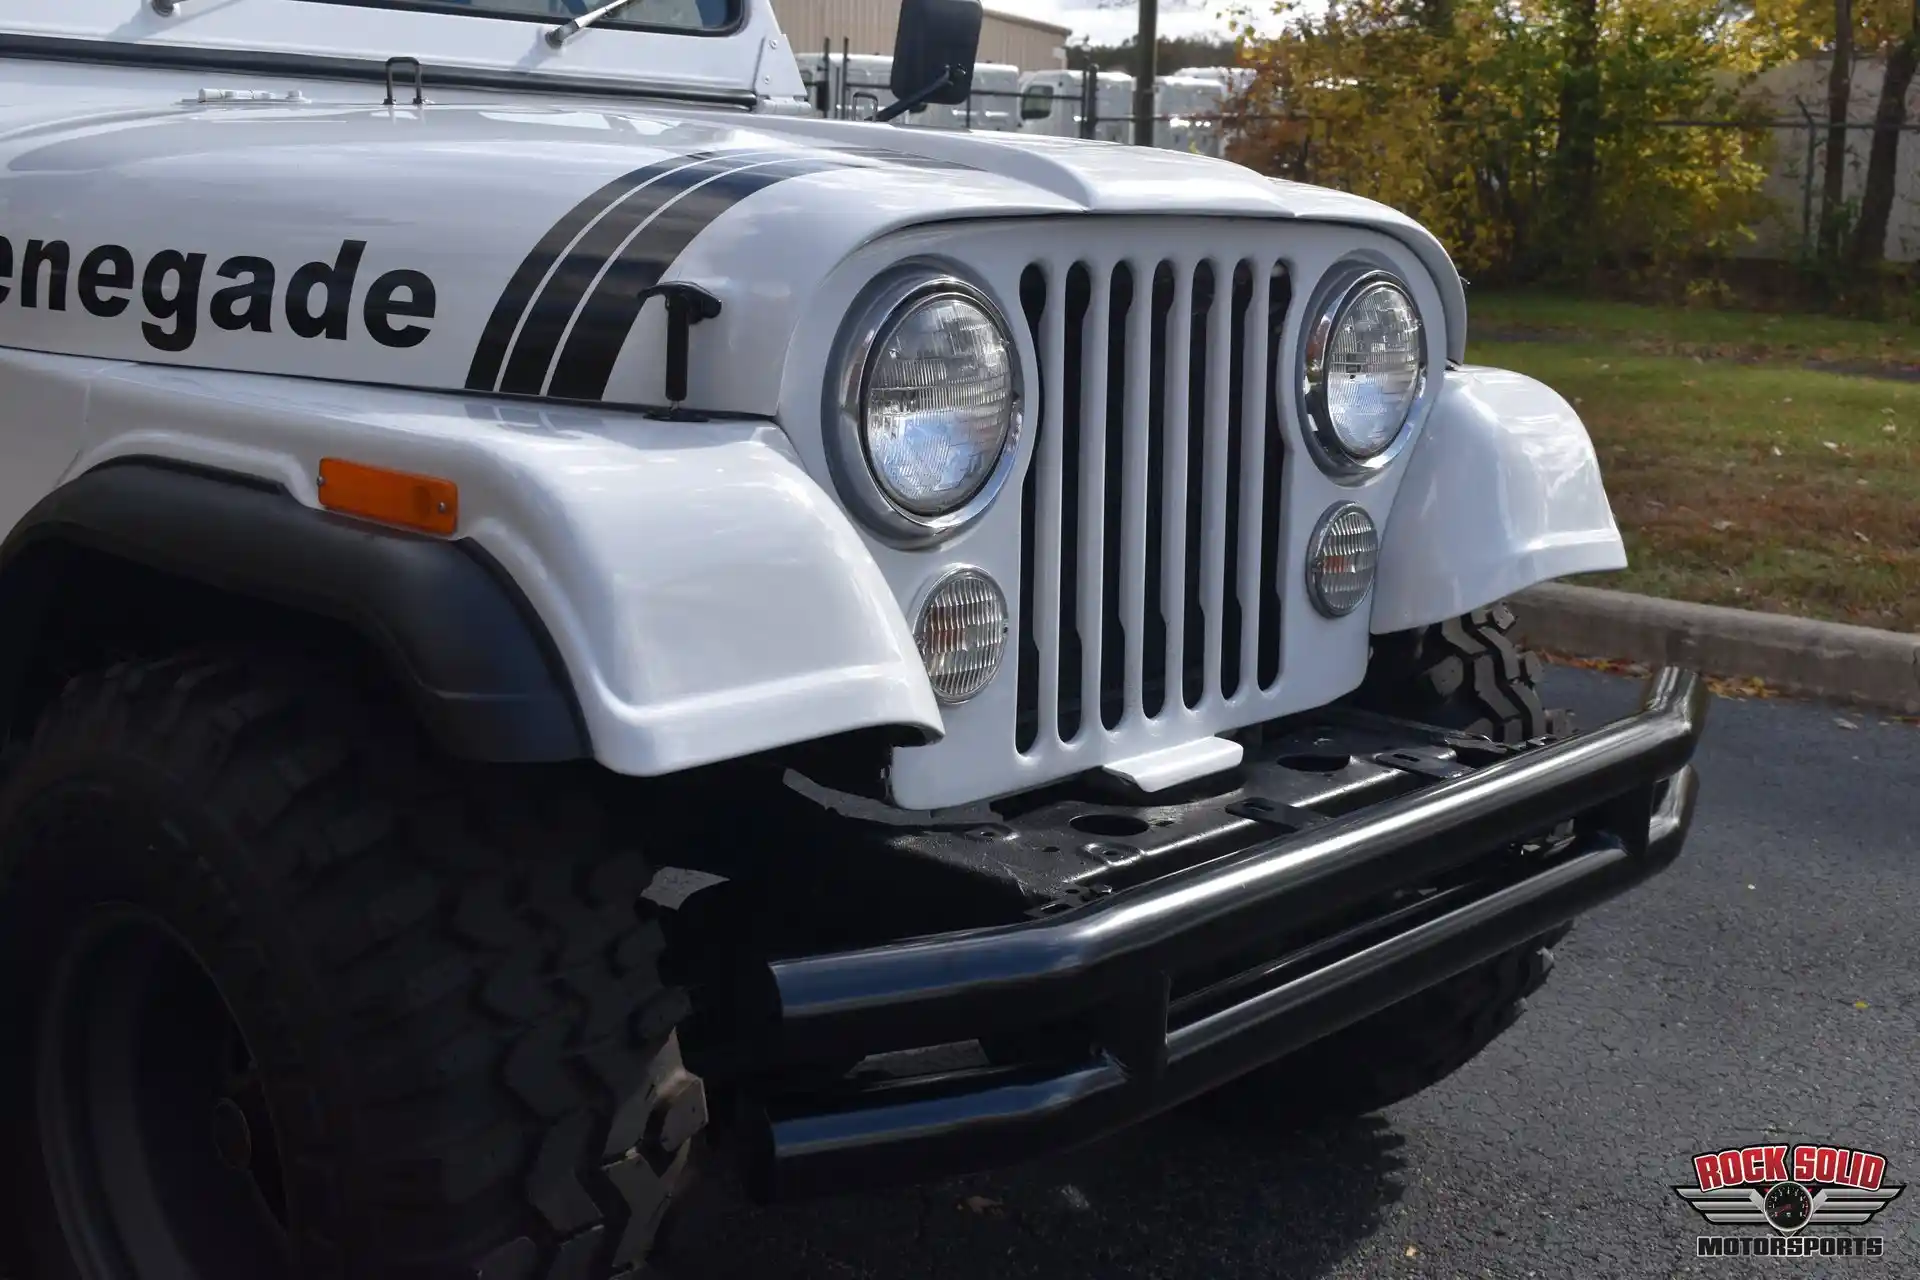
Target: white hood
{"type": "Point", "coordinates": [502, 248]}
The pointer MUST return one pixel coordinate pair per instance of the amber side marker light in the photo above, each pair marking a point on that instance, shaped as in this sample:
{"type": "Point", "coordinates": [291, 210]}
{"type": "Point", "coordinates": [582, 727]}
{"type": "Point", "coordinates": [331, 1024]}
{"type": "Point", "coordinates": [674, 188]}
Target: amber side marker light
{"type": "Point", "coordinates": [427, 503]}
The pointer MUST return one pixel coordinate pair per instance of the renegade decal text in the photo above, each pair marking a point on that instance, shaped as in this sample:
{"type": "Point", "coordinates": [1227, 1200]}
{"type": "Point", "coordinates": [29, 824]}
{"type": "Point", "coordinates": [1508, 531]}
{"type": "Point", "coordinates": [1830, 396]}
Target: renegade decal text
{"type": "Point", "coordinates": [318, 301]}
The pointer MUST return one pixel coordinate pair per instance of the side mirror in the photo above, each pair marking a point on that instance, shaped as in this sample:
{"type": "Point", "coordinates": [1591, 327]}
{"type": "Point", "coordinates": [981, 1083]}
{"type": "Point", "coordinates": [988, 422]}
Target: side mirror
{"type": "Point", "coordinates": [1037, 102]}
{"type": "Point", "coordinates": [934, 51]}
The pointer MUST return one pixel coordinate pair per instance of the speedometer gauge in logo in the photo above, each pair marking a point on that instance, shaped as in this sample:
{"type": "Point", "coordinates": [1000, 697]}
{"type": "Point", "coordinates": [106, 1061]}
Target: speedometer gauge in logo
{"type": "Point", "coordinates": [1788, 1206]}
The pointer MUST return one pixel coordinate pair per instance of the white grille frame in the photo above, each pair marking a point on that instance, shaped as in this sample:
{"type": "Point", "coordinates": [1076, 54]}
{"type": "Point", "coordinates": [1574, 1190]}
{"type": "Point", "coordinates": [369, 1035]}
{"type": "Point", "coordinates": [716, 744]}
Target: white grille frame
{"type": "Point", "coordinates": [1319, 658]}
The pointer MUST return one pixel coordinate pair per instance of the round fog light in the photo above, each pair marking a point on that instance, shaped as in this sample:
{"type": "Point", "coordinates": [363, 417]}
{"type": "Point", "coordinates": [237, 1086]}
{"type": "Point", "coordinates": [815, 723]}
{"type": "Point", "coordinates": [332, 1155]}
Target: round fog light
{"type": "Point", "coordinates": [961, 629]}
{"type": "Point", "coordinates": [1341, 557]}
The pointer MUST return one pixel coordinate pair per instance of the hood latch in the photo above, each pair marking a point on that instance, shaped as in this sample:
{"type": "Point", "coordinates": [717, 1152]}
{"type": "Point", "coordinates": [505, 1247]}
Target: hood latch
{"type": "Point", "coordinates": [687, 306]}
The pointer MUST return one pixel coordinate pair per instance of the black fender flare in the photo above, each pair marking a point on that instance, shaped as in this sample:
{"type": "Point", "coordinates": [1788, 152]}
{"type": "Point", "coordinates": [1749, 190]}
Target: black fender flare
{"type": "Point", "coordinates": [451, 626]}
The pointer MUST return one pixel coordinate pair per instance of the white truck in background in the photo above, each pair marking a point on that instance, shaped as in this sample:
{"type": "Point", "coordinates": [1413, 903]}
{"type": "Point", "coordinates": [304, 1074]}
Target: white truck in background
{"type": "Point", "coordinates": [1187, 111]}
{"type": "Point", "coordinates": [1052, 103]}
{"type": "Point", "coordinates": [845, 86]}
{"type": "Point", "coordinates": [855, 86]}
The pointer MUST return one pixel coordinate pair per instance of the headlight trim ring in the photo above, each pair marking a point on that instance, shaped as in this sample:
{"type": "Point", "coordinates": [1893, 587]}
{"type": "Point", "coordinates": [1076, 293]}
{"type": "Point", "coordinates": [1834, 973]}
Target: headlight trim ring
{"type": "Point", "coordinates": [887, 300]}
{"type": "Point", "coordinates": [1335, 296]}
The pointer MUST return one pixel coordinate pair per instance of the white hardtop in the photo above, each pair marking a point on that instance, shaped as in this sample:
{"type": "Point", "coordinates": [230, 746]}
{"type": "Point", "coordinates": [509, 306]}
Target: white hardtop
{"type": "Point", "coordinates": [708, 50]}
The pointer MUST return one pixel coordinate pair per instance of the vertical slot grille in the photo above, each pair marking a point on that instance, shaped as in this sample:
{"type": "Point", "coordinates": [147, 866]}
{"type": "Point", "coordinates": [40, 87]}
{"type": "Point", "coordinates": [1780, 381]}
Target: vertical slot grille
{"type": "Point", "coordinates": [1152, 538]}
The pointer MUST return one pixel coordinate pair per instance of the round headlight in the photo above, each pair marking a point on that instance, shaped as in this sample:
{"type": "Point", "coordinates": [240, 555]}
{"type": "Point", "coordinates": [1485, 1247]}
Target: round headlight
{"type": "Point", "coordinates": [938, 404]}
{"type": "Point", "coordinates": [929, 404]}
{"type": "Point", "coordinates": [1365, 369]}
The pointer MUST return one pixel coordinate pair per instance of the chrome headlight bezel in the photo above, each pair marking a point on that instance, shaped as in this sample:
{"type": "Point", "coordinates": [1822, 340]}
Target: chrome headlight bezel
{"type": "Point", "coordinates": [1339, 289]}
{"type": "Point", "coordinates": [883, 305]}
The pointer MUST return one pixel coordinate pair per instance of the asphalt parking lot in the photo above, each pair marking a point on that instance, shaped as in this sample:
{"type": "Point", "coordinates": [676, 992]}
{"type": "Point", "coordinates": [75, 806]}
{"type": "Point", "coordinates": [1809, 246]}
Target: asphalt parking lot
{"type": "Point", "coordinates": [1766, 989]}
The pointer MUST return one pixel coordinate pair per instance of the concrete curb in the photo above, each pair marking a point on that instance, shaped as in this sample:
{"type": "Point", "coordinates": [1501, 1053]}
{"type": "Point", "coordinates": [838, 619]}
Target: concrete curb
{"type": "Point", "coordinates": [1879, 669]}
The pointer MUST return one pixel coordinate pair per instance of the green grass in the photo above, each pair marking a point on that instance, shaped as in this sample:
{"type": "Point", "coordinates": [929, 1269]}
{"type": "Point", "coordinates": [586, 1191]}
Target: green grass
{"type": "Point", "coordinates": [1702, 331]}
{"type": "Point", "coordinates": [1760, 484]}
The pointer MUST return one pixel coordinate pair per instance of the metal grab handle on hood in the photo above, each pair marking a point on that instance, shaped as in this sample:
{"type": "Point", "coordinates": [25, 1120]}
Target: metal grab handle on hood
{"type": "Point", "coordinates": [419, 80]}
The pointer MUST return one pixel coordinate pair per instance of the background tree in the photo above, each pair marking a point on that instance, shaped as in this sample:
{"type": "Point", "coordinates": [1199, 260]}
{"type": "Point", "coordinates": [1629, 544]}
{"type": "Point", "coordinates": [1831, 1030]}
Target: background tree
{"type": "Point", "coordinates": [1876, 197]}
{"type": "Point", "coordinates": [1839, 105]}
{"type": "Point", "coordinates": [1534, 136]}
{"type": "Point", "coordinates": [1576, 152]}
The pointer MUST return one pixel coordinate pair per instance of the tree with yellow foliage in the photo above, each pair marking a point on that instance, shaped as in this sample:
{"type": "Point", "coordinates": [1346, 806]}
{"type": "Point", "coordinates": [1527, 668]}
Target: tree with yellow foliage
{"type": "Point", "coordinates": [1534, 136]}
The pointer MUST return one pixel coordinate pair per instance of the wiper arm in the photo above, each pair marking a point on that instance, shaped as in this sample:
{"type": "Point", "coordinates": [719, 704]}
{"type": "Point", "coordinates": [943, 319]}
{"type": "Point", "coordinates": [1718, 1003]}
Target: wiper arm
{"type": "Point", "coordinates": [568, 30]}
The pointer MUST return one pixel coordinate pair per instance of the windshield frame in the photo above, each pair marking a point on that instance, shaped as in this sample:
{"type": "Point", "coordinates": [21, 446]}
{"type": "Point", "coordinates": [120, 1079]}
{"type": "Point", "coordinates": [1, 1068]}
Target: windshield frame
{"type": "Point", "coordinates": [614, 22]}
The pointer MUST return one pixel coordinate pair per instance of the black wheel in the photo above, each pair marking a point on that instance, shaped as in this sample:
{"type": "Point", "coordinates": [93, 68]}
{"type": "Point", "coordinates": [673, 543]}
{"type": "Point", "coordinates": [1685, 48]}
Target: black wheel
{"type": "Point", "coordinates": [285, 994]}
{"type": "Point", "coordinates": [1467, 675]}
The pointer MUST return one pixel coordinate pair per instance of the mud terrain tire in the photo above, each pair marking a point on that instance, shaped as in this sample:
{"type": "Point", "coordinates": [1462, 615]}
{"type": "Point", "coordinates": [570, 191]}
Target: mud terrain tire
{"type": "Point", "coordinates": [1465, 674]}
{"type": "Point", "coordinates": [451, 1051]}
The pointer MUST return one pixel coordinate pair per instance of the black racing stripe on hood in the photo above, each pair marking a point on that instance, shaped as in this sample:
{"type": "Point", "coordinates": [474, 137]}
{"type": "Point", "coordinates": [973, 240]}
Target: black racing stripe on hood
{"type": "Point", "coordinates": [515, 298]}
{"type": "Point", "coordinates": [601, 328]}
{"type": "Point", "coordinates": [561, 297]}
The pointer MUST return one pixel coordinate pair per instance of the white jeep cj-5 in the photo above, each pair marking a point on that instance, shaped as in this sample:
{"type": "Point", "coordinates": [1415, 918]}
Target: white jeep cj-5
{"type": "Point", "coordinates": [561, 618]}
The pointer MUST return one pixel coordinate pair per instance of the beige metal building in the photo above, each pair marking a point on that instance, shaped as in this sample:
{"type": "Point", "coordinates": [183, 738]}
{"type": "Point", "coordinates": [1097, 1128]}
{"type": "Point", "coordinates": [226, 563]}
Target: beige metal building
{"type": "Point", "coordinates": [868, 25]}
{"type": "Point", "coordinates": [1793, 93]}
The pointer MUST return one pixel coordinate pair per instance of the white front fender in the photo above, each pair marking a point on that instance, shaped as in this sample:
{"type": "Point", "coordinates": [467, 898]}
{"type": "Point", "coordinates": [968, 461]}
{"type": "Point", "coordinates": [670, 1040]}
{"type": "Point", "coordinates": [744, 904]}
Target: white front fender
{"type": "Point", "coordinates": [707, 599]}
{"type": "Point", "coordinates": [1502, 491]}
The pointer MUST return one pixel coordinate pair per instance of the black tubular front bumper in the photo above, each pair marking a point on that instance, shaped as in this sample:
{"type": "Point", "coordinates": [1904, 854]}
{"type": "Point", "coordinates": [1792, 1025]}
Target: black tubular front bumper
{"type": "Point", "coordinates": [1626, 788]}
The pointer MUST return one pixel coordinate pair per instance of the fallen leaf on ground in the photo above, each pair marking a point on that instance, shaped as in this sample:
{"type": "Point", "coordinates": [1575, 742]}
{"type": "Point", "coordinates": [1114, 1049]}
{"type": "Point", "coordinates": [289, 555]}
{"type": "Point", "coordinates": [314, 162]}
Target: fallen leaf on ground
{"type": "Point", "coordinates": [1859, 1004]}
{"type": "Point", "coordinates": [979, 1204]}
{"type": "Point", "coordinates": [1844, 723]}
{"type": "Point", "coordinates": [1721, 526]}
{"type": "Point", "coordinates": [1776, 451]}
{"type": "Point", "coordinates": [1828, 444]}
{"type": "Point", "coordinates": [1741, 687]}
{"type": "Point", "coordinates": [1614, 666]}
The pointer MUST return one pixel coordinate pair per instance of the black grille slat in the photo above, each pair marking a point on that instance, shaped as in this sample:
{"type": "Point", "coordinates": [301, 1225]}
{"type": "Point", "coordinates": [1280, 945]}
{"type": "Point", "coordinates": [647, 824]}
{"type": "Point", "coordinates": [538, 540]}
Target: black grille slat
{"type": "Point", "coordinates": [1231, 610]}
{"type": "Point", "coordinates": [1279, 298]}
{"type": "Point", "coordinates": [1153, 685]}
{"type": "Point", "coordinates": [1113, 636]}
{"type": "Point", "coordinates": [1072, 645]}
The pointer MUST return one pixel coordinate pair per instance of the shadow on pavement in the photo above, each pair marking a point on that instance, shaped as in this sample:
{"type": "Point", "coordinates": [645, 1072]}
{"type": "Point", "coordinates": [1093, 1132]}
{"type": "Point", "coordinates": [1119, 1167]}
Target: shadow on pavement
{"type": "Point", "coordinates": [1190, 1196]}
